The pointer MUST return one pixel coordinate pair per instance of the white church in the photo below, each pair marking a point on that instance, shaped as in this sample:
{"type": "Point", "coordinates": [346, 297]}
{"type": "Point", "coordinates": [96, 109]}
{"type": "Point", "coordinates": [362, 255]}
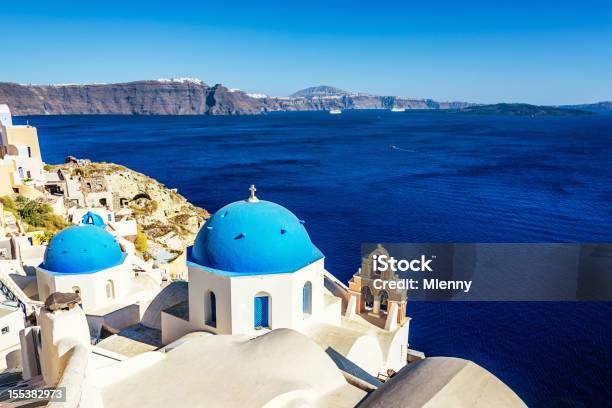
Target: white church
{"type": "Point", "coordinates": [101, 266]}
{"type": "Point", "coordinates": [253, 268]}
{"type": "Point", "coordinates": [260, 322]}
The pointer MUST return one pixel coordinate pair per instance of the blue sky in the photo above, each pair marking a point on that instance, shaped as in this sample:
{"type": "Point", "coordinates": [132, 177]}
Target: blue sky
{"type": "Point", "coordinates": [549, 52]}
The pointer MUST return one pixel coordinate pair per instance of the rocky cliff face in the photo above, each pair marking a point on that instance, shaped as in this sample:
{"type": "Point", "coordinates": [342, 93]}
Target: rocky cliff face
{"type": "Point", "coordinates": [222, 101]}
{"type": "Point", "coordinates": [134, 98]}
{"type": "Point", "coordinates": [187, 97]}
{"type": "Point", "coordinates": [356, 101]}
{"type": "Point", "coordinates": [168, 220]}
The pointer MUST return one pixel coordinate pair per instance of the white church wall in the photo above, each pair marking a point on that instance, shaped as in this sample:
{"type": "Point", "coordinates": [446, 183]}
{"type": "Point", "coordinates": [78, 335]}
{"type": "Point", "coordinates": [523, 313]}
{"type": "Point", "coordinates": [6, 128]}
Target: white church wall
{"type": "Point", "coordinates": [92, 286]}
{"type": "Point", "coordinates": [201, 283]}
{"type": "Point", "coordinates": [285, 292]}
{"type": "Point", "coordinates": [244, 290]}
{"type": "Point", "coordinates": [235, 298]}
{"type": "Point", "coordinates": [315, 274]}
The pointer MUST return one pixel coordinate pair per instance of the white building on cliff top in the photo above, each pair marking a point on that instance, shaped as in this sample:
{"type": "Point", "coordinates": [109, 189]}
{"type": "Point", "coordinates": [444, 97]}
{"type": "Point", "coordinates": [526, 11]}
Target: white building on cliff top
{"type": "Point", "coordinates": [21, 163]}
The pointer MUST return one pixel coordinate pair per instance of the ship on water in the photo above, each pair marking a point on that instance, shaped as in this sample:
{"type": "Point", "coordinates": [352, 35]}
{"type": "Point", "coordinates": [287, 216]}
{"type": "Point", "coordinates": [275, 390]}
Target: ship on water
{"type": "Point", "coordinates": [335, 111]}
{"type": "Point", "coordinates": [397, 109]}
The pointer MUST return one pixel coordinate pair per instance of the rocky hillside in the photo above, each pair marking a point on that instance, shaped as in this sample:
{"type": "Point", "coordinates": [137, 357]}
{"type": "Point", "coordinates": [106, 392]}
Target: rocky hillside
{"type": "Point", "coordinates": [168, 220]}
{"type": "Point", "coordinates": [188, 97]}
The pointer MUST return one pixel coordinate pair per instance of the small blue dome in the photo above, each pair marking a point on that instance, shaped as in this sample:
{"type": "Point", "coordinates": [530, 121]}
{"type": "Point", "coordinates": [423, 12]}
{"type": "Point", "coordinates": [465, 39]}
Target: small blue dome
{"type": "Point", "coordinates": [91, 218]}
{"type": "Point", "coordinates": [254, 238]}
{"type": "Point", "coordinates": [82, 249]}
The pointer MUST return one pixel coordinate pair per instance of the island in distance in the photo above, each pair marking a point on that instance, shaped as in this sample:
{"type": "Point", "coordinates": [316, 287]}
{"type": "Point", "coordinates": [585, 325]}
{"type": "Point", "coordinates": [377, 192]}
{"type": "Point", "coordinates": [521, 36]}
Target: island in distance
{"type": "Point", "coordinates": [522, 109]}
{"type": "Point", "coordinates": [187, 96]}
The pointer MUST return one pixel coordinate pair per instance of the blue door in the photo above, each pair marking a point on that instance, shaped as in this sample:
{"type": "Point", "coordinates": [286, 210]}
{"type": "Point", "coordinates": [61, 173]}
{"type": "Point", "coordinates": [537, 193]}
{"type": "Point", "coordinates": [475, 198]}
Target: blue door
{"type": "Point", "coordinates": [261, 311]}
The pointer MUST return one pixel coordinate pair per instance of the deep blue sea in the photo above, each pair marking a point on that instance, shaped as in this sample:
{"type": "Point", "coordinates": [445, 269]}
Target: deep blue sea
{"type": "Point", "coordinates": [377, 176]}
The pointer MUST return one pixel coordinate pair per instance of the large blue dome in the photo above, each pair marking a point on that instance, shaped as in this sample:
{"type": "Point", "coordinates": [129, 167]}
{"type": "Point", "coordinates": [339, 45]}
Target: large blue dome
{"type": "Point", "coordinates": [82, 249]}
{"type": "Point", "coordinates": [254, 238]}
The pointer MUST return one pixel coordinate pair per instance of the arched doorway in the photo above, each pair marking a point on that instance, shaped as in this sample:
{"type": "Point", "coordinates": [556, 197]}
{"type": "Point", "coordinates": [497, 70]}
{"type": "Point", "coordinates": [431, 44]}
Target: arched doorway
{"type": "Point", "coordinates": [307, 299]}
{"type": "Point", "coordinates": [261, 317]}
{"type": "Point", "coordinates": [367, 299]}
{"type": "Point", "coordinates": [384, 300]}
{"type": "Point", "coordinates": [212, 312]}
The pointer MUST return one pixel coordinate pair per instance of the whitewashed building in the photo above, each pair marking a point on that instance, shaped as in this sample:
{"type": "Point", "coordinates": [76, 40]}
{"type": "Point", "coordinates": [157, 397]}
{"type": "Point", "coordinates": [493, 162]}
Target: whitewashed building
{"type": "Point", "coordinates": [254, 269]}
{"type": "Point", "coordinates": [101, 269]}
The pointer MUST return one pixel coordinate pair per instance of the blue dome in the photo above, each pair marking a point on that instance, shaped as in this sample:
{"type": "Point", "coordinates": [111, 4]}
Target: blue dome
{"type": "Point", "coordinates": [82, 249]}
{"type": "Point", "coordinates": [91, 218]}
{"type": "Point", "coordinates": [254, 238]}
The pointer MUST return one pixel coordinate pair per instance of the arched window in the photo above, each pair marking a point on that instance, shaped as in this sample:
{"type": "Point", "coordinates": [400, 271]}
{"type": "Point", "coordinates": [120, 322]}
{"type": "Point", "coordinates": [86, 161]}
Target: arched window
{"type": "Point", "coordinates": [211, 319]}
{"type": "Point", "coordinates": [307, 299]}
{"type": "Point", "coordinates": [367, 299]}
{"type": "Point", "coordinates": [384, 300]}
{"type": "Point", "coordinates": [21, 173]}
{"type": "Point", "coordinates": [110, 289]}
{"type": "Point", "coordinates": [261, 318]}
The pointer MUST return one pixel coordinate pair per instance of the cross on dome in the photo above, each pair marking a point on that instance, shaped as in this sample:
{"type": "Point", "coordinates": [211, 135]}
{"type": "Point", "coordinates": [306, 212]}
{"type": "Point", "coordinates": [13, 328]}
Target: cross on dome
{"type": "Point", "coordinates": [252, 198]}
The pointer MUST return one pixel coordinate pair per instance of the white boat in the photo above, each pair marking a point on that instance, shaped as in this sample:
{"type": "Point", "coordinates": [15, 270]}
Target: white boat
{"type": "Point", "coordinates": [395, 109]}
{"type": "Point", "coordinates": [335, 111]}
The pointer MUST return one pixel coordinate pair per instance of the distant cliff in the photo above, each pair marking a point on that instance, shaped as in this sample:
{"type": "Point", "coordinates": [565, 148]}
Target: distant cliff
{"type": "Point", "coordinates": [172, 97]}
{"type": "Point", "coordinates": [188, 97]}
